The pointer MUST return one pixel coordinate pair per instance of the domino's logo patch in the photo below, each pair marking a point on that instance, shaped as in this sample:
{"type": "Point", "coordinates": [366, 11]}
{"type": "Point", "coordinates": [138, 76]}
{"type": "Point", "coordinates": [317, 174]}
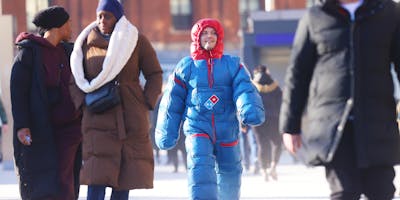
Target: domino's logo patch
{"type": "Point", "coordinates": [210, 103]}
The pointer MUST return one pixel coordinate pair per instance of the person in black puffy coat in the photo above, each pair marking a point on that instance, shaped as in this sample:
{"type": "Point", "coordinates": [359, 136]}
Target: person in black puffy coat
{"type": "Point", "coordinates": [338, 108]}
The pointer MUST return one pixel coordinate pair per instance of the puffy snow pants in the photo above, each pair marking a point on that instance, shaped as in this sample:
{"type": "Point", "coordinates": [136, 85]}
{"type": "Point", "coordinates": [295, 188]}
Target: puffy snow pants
{"type": "Point", "coordinates": [214, 169]}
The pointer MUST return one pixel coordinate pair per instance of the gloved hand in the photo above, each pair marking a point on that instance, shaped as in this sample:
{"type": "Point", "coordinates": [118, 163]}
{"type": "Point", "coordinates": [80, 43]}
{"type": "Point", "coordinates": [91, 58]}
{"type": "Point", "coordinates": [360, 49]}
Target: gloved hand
{"type": "Point", "coordinates": [252, 115]}
{"type": "Point", "coordinates": [165, 141]}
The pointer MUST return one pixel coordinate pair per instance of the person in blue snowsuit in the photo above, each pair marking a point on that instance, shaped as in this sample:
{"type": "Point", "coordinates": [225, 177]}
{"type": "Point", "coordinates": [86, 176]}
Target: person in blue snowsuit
{"type": "Point", "coordinates": [209, 93]}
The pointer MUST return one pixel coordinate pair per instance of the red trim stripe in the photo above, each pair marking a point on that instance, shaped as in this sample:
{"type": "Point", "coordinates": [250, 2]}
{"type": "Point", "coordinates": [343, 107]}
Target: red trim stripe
{"type": "Point", "coordinates": [179, 82]}
{"type": "Point", "coordinates": [201, 135]}
{"type": "Point", "coordinates": [230, 144]}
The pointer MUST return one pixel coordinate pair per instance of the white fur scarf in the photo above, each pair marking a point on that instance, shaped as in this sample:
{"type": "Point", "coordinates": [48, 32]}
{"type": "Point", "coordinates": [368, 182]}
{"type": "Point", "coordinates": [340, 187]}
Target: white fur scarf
{"type": "Point", "coordinates": [122, 44]}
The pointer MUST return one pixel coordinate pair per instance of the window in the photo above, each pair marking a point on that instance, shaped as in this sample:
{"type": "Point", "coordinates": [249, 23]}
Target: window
{"type": "Point", "coordinates": [248, 5]}
{"type": "Point", "coordinates": [32, 7]}
{"type": "Point", "coordinates": [269, 5]}
{"type": "Point", "coordinates": [181, 12]}
{"type": "Point", "coordinates": [245, 8]}
{"type": "Point", "coordinates": [310, 3]}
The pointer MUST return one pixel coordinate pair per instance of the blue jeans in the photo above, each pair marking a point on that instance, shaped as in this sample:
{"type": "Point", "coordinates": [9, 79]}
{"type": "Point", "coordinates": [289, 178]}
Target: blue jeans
{"type": "Point", "coordinates": [97, 192]}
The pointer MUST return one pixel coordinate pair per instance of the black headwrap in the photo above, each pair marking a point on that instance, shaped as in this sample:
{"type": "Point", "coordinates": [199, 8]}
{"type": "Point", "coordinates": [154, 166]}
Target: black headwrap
{"type": "Point", "coordinates": [52, 17]}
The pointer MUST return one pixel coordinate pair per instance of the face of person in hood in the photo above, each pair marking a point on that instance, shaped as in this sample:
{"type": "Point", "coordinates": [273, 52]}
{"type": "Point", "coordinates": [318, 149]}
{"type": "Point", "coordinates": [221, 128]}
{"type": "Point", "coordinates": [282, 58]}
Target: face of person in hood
{"type": "Point", "coordinates": [106, 22]}
{"type": "Point", "coordinates": [208, 38]}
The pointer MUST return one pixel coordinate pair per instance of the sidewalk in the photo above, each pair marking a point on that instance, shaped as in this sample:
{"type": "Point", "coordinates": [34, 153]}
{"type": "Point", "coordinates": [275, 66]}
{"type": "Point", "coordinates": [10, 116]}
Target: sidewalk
{"type": "Point", "coordinates": [295, 182]}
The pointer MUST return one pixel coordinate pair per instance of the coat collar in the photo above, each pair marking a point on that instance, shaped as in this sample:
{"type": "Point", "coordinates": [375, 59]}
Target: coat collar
{"type": "Point", "coordinates": [96, 39]}
{"type": "Point", "coordinates": [367, 9]}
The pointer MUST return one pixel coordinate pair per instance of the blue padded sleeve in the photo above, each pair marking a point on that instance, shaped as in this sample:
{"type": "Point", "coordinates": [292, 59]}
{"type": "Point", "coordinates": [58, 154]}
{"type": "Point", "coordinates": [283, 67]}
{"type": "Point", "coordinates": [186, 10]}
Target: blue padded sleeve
{"type": "Point", "coordinates": [247, 99]}
{"type": "Point", "coordinates": [172, 106]}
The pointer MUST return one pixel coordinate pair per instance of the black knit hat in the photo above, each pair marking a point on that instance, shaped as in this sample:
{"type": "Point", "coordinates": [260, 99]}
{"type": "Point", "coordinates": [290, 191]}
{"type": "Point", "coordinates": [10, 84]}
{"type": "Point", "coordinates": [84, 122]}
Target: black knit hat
{"type": "Point", "coordinates": [263, 77]}
{"type": "Point", "coordinates": [260, 68]}
{"type": "Point", "coordinates": [51, 17]}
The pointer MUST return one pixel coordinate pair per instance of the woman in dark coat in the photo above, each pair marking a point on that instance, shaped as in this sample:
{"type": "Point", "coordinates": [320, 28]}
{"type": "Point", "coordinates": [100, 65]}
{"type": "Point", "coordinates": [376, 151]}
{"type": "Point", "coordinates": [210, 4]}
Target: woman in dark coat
{"type": "Point", "coordinates": [47, 133]}
{"type": "Point", "coordinates": [339, 79]}
{"type": "Point", "coordinates": [269, 140]}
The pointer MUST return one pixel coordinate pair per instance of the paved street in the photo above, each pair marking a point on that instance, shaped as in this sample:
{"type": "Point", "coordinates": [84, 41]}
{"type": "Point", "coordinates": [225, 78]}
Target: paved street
{"type": "Point", "coordinates": [295, 182]}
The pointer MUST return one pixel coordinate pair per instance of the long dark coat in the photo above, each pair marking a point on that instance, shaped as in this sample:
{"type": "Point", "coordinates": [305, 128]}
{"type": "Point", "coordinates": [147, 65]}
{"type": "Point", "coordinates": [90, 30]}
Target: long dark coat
{"type": "Point", "coordinates": [338, 66]}
{"type": "Point", "coordinates": [117, 149]}
{"type": "Point", "coordinates": [271, 95]}
{"type": "Point", "coordinates": [36, 164]}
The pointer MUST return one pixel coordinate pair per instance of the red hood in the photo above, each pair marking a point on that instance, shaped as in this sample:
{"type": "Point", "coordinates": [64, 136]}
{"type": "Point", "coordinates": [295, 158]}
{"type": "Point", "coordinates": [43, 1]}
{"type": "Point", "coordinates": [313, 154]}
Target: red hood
{"type": "Point", "coordinates": [41, 41]}
{"type": "Point", "coordinates": [197, 52]}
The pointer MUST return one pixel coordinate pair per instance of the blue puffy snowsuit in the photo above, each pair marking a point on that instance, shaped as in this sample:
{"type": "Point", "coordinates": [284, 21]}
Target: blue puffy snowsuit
{"type": "Point", "coordinates": [207, 92]}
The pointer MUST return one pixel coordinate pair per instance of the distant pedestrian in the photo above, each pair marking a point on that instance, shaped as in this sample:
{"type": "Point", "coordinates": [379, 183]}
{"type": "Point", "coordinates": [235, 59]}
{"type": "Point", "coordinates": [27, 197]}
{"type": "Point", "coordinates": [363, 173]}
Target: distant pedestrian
{"type": "Point", "coordinates": [153, 122]}
{"type": "Point", "coordinates": [3, 126]}
{"type": "Point", "coordinates": [173, 154]}
{"type": "Point", "coordinates": [245, 148]}
{"type": "Point", "coordinates": [249, 149]}
{"type": "Point", "coordinates": [269, 140]}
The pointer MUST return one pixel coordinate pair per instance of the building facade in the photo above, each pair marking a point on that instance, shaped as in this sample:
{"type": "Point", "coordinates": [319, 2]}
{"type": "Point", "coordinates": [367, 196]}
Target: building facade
{"type": "Point", "coordinates": [270, 40]}
{"type": "Point", "coordinates": [166, 23]}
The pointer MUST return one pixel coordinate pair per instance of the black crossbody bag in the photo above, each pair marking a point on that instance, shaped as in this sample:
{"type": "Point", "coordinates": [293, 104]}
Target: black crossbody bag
{"type": "Point", "coordinates": [104, 98]}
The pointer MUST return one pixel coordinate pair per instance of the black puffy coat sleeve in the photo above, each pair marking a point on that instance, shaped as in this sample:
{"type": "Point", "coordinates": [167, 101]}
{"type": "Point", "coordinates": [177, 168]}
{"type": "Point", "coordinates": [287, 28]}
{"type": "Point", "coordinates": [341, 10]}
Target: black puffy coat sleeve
{"type": "Point", "coordinates": [395, 50]}
{"type": "Point", "coordinates": [298, 77]}
{"type": "Point", "coordinates": [20, 86]}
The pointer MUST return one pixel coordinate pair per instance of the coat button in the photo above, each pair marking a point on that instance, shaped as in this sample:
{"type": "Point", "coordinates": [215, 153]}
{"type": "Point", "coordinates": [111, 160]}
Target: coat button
{"type": "Point", "coordinates": [25, 184]}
